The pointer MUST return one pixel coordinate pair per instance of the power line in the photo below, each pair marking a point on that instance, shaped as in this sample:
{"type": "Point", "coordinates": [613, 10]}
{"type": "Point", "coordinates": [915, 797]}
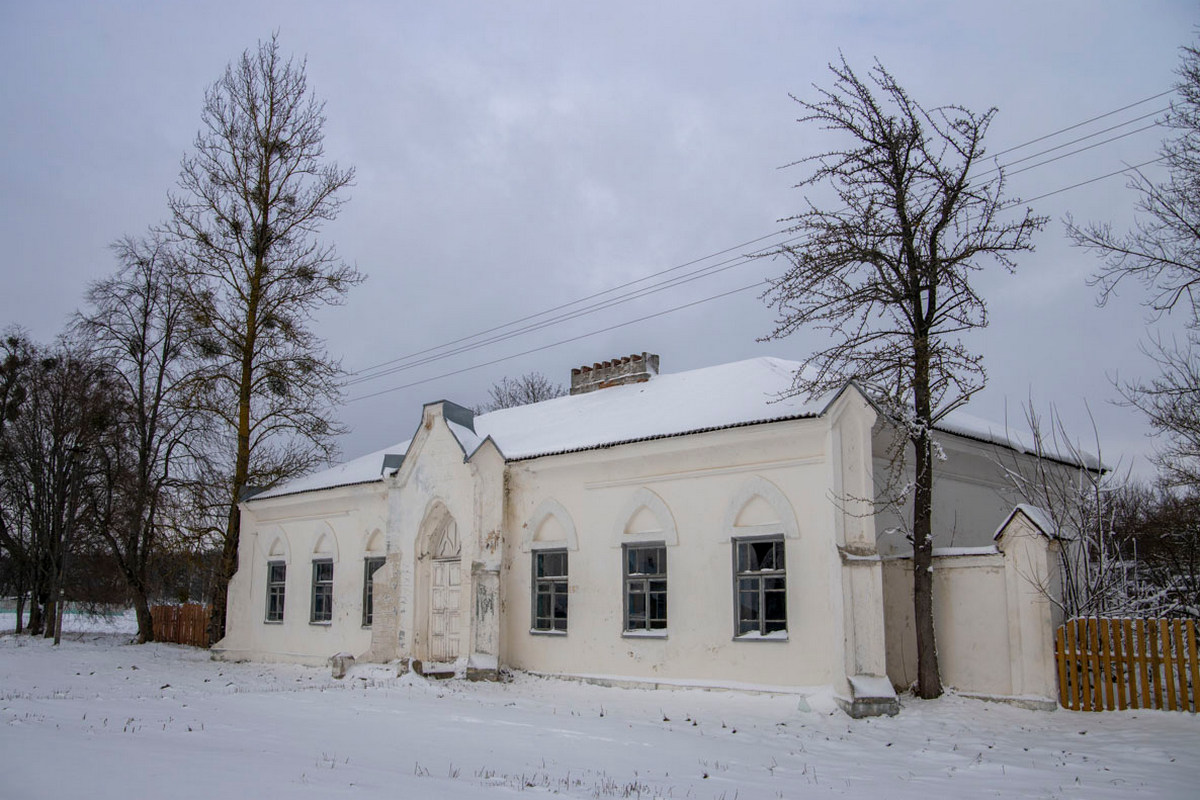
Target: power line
{"type": "Point", "coordinates": [1080, 150]}
{"type": "Point", "coordinates": [560, 342]}
{"type": "Point", "coordinates": [1091, 136]}
{"type": "Point", "coordinates": [564, 305]}
{"type": "Point", "coordinates": [467, 344]}
{"type": "Point", "coordinates": [1096, 118]}
{"type": "Point", "coordinates": [432, 354]}
{"type": "Point", "coordinates": [1092, 180]}
{"type": "Point", "coordinates": [636, 294]}
{"type": "Point", "coordinates": [680, 307]}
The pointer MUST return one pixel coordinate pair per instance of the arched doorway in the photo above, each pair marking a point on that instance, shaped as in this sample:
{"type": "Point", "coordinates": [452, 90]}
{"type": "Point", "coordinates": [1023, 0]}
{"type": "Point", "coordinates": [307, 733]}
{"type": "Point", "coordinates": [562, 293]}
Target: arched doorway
{"type": "Point", "coordinates": [441, 609]}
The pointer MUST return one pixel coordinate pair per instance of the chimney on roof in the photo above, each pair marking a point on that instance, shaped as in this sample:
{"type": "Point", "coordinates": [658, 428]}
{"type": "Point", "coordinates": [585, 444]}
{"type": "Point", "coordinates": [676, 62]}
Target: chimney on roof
{"type": "Point", "coordinates": [636, 368]}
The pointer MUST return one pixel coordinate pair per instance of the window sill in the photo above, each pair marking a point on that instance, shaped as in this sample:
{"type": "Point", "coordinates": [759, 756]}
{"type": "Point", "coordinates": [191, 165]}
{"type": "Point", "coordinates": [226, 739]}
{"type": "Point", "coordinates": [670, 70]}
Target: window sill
{"type": "Point", "coordinates": [642, 634]}
{"type": "Point", "coordinates": [538, 632]}
{"type": "Point", "coordinates": [755, 636]}
{"type": "Point", "coordinates": [321, 623]}
{"type": "Point", "coordinates": [272, 622]}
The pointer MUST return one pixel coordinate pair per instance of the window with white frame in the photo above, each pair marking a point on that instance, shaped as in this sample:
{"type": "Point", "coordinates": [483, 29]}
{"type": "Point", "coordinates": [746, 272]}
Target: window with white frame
{"type": "Point", "coordinates": [276, 586]}
{"type": "Point", "coordinates": [370, 565]}
{"type": "Point", "coordinates": [645, 587]}
{"type": "Point", "coordinates": [550, 591]}
{"type": "Point", "coordinates": [322, 591]}
{"type": "Point", "coordinates": [760, 586]}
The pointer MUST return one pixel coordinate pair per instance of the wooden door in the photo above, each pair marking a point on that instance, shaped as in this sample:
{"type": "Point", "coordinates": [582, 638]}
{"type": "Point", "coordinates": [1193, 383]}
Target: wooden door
{"type": "Point", "coordinates": [445, 617]}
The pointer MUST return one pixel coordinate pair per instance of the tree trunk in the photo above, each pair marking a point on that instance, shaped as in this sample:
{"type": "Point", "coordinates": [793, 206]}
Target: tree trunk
{"type": "Point", "coordinates": [50, 617]}
{"type": "Point", "coordinates": [929, 682]}
{"type": "Point", "coordinates": [35, 614]}
{"type": "Point", "coordinates": [141, 605]}
{"type": "Point", "coordinates": [20, 607]}
{"type": "Point", "coordinates": [228, 566]}
{"type": "Point", "coordinates": [241, 475]}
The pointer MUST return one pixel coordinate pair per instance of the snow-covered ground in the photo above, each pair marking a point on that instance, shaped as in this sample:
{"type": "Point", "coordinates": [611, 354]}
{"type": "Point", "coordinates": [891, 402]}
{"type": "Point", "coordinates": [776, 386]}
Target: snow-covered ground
{"type": "Point", "coordinates": [100, 718]}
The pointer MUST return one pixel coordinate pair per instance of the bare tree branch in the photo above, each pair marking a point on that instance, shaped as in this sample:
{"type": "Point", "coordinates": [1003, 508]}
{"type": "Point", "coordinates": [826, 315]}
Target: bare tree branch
{"type": "Point", "coordinates": [887, 272]}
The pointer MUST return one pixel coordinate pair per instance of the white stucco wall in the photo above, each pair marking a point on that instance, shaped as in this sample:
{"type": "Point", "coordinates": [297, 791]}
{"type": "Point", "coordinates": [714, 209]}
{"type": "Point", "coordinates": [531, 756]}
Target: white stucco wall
{"type": "Point", "coordinates": [436, 479]}
{"type": "Point", "coordinates": [994, 617]}
{"type": "Point", "coordinates": [804, 479]}
{"type": "Point", "coordinates": [338, 524]}
{"type": "Point", "coordinates": [970, 623]}
{"type": "Point", "coordinates": [755, 480]}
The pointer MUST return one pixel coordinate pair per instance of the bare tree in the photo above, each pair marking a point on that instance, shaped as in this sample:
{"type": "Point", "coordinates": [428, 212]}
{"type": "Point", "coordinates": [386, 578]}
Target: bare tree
{"type": "Point", "coordinates": [1161, 538]}
{"type": "Point", "coordinates": [138, 324]}
{"type": "Point", "coordinates": [252, 199]}
{"type": "Point", "coordinates": [532, 387]}
{"type": "Point", "coordinates": [886, 272]}
{"type": "Point", "coordinates": [14, 366]}
{"type": "Point", "coordinates": [1126, 549]}
{"type": "Point", "coordinates": [52, 458]}
{"type": "Point", "coordinates": [1162, 252]}
{"type": "Point", "coordinates": [1085, 503]}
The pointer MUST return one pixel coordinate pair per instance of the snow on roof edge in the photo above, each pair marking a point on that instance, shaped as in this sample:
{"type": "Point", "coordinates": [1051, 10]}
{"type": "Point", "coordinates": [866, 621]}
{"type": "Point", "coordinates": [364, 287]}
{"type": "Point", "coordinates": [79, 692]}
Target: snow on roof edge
{"type": "Point", "coordinates": [606, 445]}
{"type": "Point", "coordinates": [1038, 517]}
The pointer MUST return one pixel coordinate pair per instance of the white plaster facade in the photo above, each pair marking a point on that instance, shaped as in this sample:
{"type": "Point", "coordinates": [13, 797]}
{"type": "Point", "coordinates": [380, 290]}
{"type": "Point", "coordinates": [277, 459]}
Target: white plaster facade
{"type": "Point", "coordinates": [672, 463]}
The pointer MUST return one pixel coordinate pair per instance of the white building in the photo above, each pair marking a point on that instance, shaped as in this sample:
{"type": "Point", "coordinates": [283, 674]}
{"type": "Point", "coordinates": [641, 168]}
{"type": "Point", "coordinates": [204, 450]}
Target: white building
{"type": "Point", "coordinates": [689, 527]}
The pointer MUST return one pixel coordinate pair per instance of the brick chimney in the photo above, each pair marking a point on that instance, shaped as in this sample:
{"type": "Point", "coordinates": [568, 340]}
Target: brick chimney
{"type": "Point", "coordinates": [636, 368]}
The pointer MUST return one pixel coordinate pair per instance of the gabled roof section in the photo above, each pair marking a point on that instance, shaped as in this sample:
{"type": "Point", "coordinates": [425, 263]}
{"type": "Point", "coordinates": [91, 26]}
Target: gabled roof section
{"type": "Point", "coordinates": [741, 393]}
{"type": "Point", "coordinates": [963, 424]}
{"type": "Point", "coordinates": [1038, 517]}
{"type": "Point", "coordinates": [724, 396]}
{"type": "Point", "coordinates": [365, 469]}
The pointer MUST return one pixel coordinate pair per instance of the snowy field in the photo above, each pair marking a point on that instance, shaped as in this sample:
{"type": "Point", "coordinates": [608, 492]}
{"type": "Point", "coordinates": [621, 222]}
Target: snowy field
{"type": "Point", "coordinates": [101, 718]}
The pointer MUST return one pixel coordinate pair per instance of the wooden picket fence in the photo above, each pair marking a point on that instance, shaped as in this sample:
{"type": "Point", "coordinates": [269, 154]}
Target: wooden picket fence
{"type": "Point", "coordinates": [185, 624]}
{"type": "Point", "coordinates": [1107, 664]}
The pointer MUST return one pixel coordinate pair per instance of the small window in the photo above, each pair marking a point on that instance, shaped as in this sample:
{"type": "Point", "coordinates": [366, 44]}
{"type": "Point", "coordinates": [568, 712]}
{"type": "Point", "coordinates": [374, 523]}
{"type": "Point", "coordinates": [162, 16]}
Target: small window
{"type": "Point", "coordinates": [276, 584]}
{"type": "Point", "coordinates": [550, 591]}
{"type": "Point", "coordinates": [645, 587]}
{"type": "Point", "coordinates": [370, 564]}
{"type": "Point", "coordinates": [322, 591]}
{"type": "Point", "coordinates": [761, 586]}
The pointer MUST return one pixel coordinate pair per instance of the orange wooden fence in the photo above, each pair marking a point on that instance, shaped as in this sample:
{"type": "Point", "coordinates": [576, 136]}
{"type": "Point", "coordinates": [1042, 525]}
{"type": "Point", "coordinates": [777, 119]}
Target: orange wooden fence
{"type": "Point", "coordinates": [1106, 664]}
{"type": "Point", "coordinates": [185, 624]}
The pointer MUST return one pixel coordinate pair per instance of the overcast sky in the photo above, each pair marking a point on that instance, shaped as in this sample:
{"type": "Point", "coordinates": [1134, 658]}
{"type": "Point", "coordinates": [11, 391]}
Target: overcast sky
{"type": "Point", "coordinates": [513, 157]}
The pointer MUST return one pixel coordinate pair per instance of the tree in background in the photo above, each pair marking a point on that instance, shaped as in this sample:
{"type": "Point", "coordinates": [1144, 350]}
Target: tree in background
{"type": "Point", "coordinates": [15, 354]}
{"type": "Point", "coordinates": [1161, 541]}
{"type": "Point", "coordinates": [53, 460]}
{"type": "Point", "coordinates": [251, 201]}
{"type": "Point", "coordinates": [1163, 253]}
{"type": "Point", "coordinates": [137, 323]}
{"type": "Point", "coordinates": [886, 272]}
{"type": "Point", "coordinates": [532, 387]}
{"type": "Point", "coordinates": [1086, 503]}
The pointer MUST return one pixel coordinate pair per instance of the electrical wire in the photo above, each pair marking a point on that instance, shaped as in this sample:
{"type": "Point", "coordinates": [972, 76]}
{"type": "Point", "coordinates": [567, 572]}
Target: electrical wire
{"type": "Point", "coordinates": [1100, 132]}
{"type": "Point", "coordinates": [1092, 146]}
{"type": "Point", "coordinates": [568, 304]}
{"type": "Point", "coordinates": [432, 354]}
{"type": "Point", "coordinates": [1092, 180]}
{"type": "Point", "coordinates": [560, 342]}
{"type": "Point", "coordinates": [670, 283]}
{"type": "Point", "coordinates": [1096, 118]}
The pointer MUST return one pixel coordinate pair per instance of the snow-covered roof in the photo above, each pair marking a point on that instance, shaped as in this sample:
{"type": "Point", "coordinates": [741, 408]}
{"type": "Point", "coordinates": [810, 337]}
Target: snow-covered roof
{"type": "Point", "coordinates": [740, 393]}
{"type": "Point", "coordinates": [364, 469]}
{"type": "Point", "coordinates": [1039, 517]}
{"type": "Point", "coordinates": [964, 424]}
{"type": "Point", "coordinates": [723, 396]}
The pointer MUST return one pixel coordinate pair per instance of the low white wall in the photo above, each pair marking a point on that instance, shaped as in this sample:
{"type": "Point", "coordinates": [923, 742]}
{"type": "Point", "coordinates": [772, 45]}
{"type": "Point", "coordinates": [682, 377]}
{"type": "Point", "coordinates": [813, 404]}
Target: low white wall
{"type": "Point", "coordinates": [993, 618]}
{"type": "Point", "coordinates": [970, 615]}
